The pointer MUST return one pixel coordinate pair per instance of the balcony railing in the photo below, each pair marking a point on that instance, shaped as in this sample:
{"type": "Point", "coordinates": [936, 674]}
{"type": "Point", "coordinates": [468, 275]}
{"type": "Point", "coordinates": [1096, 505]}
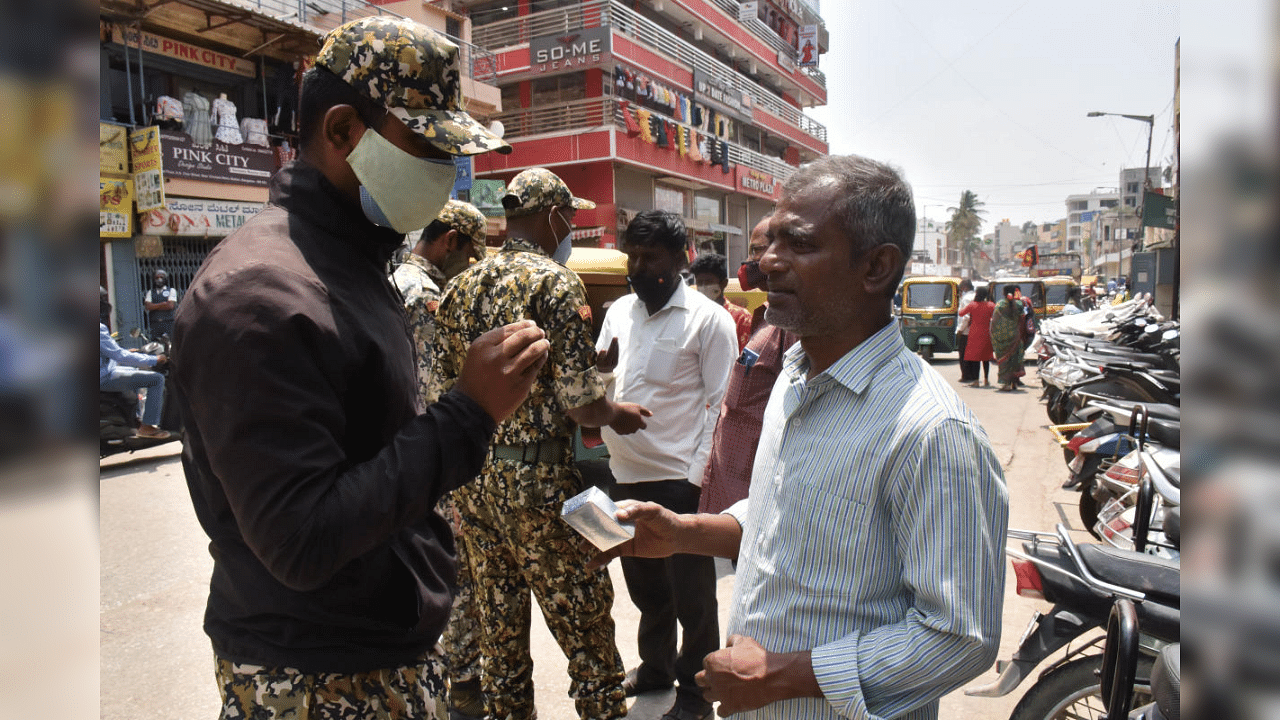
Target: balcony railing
{"type": "Point", "coordinates": [598, 13]}
{"type": "Point", "coordinates": [770, 38]}
{"type": "Point", "coordinates": [324, 15]}
{"type": "Point", "coordinates": [603, 112]}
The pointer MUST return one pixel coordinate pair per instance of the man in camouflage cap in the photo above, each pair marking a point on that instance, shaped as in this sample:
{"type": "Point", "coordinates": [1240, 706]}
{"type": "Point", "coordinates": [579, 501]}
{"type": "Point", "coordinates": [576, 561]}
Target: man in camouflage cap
{"type": "Point", "coordinates": [444, 249]}
{"type": "Point", "coordinates": [314, 466]}
{"type": "Point", "coordinates": [512, 531]}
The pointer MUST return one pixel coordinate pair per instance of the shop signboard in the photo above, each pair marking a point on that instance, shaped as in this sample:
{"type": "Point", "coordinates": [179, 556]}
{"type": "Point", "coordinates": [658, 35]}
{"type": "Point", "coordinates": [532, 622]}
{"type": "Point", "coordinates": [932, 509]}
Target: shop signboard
{"type": "Point", "coordinates": [720, 95]}
{"type": "Point", "coordinates": [462, 174]}
{"type": "Point", "coordinates": [144, 157]}
{"type": "Point", "coordinates": [1159, 211]}
{"type": "Point", "coordinates": [115, 213]}
{"type": "Point", "coordinates": [808, 46]}
{"type": "Point", "coordinates": [757, 183]}
{"type": "Point", "coordinates": [580, 48]}
{"type": "Point", "coordinates": [183, 51]}
{"type": "Point", "coordinates": [217, 161]}
{"type": "Point", "coordinates": [198, 217]}
{"type": "Point", "coordinates": [113, 150]}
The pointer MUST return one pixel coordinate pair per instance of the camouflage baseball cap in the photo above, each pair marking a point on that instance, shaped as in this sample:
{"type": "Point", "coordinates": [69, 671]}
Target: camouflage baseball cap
{"type": "Point", "coordinates": [468, 221]}
{"type": "Point", "coordinates": [539, 189]}
{"type": "Point", "coordinates": [415, 73]}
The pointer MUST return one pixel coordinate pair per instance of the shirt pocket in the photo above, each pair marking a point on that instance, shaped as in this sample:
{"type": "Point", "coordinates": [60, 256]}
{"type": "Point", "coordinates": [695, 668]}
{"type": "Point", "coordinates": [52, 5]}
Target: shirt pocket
{"type": "Point", "coordinates": [667, 357]}
{"type": "Point", "coordinates": [826, 534]}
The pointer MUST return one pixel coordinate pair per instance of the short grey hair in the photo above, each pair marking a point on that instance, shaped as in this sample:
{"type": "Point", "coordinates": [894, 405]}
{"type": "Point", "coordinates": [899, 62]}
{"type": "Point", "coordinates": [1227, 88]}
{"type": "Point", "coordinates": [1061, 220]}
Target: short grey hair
{"type": "Point", "coordinates": [872, 204]}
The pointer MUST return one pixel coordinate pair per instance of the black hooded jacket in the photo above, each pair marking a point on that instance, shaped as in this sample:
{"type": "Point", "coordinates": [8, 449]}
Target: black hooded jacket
{"type": "Point", "coordinates": [311, 465]}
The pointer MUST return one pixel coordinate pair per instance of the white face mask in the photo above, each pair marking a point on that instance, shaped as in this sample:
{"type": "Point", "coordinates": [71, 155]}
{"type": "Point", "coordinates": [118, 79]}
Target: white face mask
{"type": "Point", "coordinates": [711, 291]}
{"type": "Point", "coordinates": [398, 190]}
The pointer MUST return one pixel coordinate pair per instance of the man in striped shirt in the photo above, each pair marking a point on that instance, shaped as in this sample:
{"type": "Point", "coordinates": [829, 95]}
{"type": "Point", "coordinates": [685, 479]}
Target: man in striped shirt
{"type": "Point", "coordinates": [870, 563]}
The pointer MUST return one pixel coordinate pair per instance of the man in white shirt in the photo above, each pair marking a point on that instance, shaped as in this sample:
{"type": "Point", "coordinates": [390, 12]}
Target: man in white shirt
{"type": "Point", "coordinates": [674, 349]}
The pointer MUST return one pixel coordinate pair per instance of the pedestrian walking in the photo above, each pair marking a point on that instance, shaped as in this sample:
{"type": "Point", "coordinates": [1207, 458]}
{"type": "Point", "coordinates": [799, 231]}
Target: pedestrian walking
{"type": "Point", "coordinates": [979, 351]}
{"type": "Point", "coordinates": [1009, 337]}
{"type": "Point", "coordinates": [968, 371]}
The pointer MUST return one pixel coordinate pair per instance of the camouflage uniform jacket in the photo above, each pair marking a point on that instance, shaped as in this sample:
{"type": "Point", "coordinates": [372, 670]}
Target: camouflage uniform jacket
{"type": "Point", "coordinates": [518, 282]}
{"type": "Point", "coordinates": [419, 282]}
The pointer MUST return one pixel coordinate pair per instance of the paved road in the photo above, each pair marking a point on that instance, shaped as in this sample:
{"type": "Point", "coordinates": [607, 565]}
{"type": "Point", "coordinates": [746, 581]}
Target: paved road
{"type": "Point", "coordinates": [156, 661]}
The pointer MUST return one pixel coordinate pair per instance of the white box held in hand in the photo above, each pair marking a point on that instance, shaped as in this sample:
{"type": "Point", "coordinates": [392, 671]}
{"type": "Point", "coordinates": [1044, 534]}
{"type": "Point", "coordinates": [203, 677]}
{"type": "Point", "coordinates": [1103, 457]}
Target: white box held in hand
{"type": "Point", "coordinates": [591, 513]}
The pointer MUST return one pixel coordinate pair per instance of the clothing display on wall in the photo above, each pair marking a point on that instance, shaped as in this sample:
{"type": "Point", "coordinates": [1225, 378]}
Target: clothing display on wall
{"type": "Point", "coordinates": [169, 109]}
{"type": "Point", "coordinates": [224, 116]}
{"type": "Point", "coordinates": [198, 125]}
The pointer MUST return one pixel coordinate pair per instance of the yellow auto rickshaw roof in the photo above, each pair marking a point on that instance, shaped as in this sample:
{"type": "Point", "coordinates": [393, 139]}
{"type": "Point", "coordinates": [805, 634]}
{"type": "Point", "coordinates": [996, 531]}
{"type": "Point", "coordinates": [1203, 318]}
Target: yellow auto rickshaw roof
{"type": "Point", "coordinates": [931, 278]}
{"type": "Point", "coordinates": [597, 260]}
{"type": "Point", "coordinates": [1058, 280]}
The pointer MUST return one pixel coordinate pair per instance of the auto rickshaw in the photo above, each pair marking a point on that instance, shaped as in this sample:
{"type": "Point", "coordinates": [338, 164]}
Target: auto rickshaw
{"type": "Point", "coordinates": [604, 272]}
{"type": "Point", "coordinates": [1033, 289]}
{"type": "Point", "coordinates": [1057, 290]}
{"type": "Point", "coordinates": [749, 299]}
{"type": "Point", "coordinates": [928, 317]}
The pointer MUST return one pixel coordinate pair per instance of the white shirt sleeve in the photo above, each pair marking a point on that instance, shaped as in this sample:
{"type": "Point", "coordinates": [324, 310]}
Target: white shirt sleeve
{"type": "Point", "coordinates": [719, 339]}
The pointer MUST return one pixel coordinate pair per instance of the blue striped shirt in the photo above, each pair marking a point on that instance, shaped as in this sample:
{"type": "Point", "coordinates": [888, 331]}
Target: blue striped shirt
{"type": "Point", "coordinates": [873, 535]}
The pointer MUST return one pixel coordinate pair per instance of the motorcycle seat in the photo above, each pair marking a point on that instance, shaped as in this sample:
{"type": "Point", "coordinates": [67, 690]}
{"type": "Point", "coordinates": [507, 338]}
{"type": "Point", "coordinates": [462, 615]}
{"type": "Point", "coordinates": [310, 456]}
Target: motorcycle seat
{"type": "Point", "coordinates": [1148, 574]}
{"type": "Point", "coordinates": [1162, 411]}
{"type": "Point", "coordinates": [1165, 432]}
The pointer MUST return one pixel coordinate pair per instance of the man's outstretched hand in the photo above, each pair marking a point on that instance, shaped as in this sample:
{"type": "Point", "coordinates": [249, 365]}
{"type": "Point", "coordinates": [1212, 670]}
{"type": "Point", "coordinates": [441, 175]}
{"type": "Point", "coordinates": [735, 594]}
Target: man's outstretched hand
{"type": "Point", "coordinates": [501, 367]}
{"type": "Point", "coordinates": [657, 531]}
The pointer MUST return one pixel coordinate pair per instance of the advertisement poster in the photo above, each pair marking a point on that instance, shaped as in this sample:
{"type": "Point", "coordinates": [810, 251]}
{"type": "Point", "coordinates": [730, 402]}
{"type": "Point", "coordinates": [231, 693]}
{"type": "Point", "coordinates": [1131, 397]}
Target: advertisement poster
{"type": "Point", "coordinates": [113, 152]}
{"type": "Point", "coordinates": [148, 181]}
{"type": "Point", "coordinates": [808, 46]}
{"type": "Point", "coordinates": [115, 214]}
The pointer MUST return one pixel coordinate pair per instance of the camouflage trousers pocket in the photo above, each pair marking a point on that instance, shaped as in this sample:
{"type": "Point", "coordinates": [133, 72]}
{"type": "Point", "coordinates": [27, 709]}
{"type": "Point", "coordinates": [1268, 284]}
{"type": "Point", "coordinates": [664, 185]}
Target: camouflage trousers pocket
{"type": "Point", "coordinates": [255, 692]}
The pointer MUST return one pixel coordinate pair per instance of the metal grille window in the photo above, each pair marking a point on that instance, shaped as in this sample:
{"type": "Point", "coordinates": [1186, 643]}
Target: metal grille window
{"type": "Point", "coordinates": [181, 258]}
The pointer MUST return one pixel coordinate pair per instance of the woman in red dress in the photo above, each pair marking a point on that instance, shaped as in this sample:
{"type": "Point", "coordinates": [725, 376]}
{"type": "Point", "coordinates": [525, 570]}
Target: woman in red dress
{"type": "Point", "coordinates": [979, 347]}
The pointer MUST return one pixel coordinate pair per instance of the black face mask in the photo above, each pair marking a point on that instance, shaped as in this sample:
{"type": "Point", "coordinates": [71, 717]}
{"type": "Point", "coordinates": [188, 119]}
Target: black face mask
{"type": "Point", "coordinates": [652, 289]}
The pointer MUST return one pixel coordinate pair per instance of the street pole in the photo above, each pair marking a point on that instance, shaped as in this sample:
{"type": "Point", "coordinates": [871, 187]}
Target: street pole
{"type": "Point", "coordinates": [1150, 120]}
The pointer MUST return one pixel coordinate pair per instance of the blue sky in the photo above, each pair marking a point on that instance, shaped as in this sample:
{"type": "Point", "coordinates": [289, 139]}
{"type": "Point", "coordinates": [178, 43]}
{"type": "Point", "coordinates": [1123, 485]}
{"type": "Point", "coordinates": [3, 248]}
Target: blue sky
{"type": "Point", "coordinates": [992, 96]}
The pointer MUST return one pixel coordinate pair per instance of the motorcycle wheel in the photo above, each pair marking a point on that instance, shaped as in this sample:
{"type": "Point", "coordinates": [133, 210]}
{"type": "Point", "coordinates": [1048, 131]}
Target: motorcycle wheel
{"type": "Point", "coordinates": [1073, 691]}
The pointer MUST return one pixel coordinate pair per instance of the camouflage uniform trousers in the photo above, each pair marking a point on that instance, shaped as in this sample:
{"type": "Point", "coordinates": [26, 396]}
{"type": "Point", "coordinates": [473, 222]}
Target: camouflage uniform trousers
{"type": "Point", "coordinates": [461, 638]}
{"type": "Point", "coordinates": [411, 692]}
{"type": "Point", "coordinates": [517, 543]}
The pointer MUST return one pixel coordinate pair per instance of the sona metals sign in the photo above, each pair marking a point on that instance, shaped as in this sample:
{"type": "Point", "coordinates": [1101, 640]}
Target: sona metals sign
{"type": "Point", "coordinates": [581, 48]}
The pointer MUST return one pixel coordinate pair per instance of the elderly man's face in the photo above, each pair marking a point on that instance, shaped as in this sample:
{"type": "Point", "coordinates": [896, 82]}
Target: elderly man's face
{"type": "Point", "coordinates": [814, 286]}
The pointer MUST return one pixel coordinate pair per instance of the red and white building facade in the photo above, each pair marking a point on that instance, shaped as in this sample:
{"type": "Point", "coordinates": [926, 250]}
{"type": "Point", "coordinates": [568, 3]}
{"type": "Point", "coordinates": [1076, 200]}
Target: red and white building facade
{"type": "Point", "coordinates": [691, 106]}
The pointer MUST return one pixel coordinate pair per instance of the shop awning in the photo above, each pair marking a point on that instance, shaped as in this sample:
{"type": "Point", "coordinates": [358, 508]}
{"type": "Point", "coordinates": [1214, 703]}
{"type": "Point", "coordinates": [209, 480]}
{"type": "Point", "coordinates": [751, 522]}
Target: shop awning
{"type": "Point", "coordinates": [587, 233]}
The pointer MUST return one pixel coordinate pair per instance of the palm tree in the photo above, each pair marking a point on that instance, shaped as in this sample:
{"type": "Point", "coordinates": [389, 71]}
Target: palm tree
{"type": "Point", "coordinates": [962, 228]}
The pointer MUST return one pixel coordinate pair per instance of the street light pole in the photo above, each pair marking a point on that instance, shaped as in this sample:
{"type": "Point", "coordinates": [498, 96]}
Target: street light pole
{"type": "Point", "coordinates": [1150, 120]}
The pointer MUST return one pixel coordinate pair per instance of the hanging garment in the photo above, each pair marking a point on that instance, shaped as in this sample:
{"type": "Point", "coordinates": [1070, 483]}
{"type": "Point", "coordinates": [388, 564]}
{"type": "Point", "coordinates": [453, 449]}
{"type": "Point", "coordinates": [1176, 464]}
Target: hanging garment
{"type": "Point", "coordinates": [646, 125]}
{"type": "Point", "coordinates": [196, 109]}
{"type": "Point", "coordinates": [254, 131]}
{"type": "Point", "coordinates": [724, 157]}
{"type": "Point", "coordinates": [697, 116]}
{"type": "Point", "coordinates": [224, 116]}
{"type": "Point", "coordinates": [678, 113]}
{"type": "Point", "coordinates": [661, 133]}
{"type": "Point", "coordinates": [673, 136]}
{"type": "Point", "coordinates": [684, 138]}
{"type": "Point", "coordinates": [694, 154]}
{"type": "Point", "coordinates": [633, 127]}
{"type": "Point", "coordinates": [169, 108]}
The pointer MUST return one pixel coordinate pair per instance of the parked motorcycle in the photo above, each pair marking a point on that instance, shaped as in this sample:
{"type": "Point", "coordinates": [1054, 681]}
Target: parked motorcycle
{"type": "Point", "coordinates": [1082, 582]}
{"type": "Point", "coordinates": [1120, 658]}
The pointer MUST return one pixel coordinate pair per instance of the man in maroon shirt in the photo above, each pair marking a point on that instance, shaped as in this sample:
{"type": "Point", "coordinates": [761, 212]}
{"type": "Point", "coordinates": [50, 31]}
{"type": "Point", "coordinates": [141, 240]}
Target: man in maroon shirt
{"type": "Point", "coordinates": [733, 447]}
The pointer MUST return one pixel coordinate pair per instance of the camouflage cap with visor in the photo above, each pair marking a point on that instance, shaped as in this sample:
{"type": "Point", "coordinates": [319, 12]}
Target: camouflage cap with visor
{"type": "Point", "coordinates": [468, 221]}
{"type": "Point", "coordinates": [539, 189]}
{"type": "Point", "coordinates": [412, 71]}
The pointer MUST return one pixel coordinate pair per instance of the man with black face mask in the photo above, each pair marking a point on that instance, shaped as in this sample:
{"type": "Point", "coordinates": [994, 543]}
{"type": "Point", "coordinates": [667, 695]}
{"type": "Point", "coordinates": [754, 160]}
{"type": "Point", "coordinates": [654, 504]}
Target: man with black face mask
{"type": "Point", "coordinates": [673, 349]}
{"type": "Point", "coordinates": [312, 463]}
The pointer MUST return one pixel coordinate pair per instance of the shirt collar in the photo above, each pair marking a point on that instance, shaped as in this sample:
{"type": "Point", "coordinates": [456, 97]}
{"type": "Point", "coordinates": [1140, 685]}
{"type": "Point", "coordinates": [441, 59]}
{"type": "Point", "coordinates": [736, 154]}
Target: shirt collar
{"type": "Point", "coordinates": [855, 368]}
{"type": "Point", "coordinates": [426, 266]}
{"type": "Point", "coordinates": [521, 245]}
